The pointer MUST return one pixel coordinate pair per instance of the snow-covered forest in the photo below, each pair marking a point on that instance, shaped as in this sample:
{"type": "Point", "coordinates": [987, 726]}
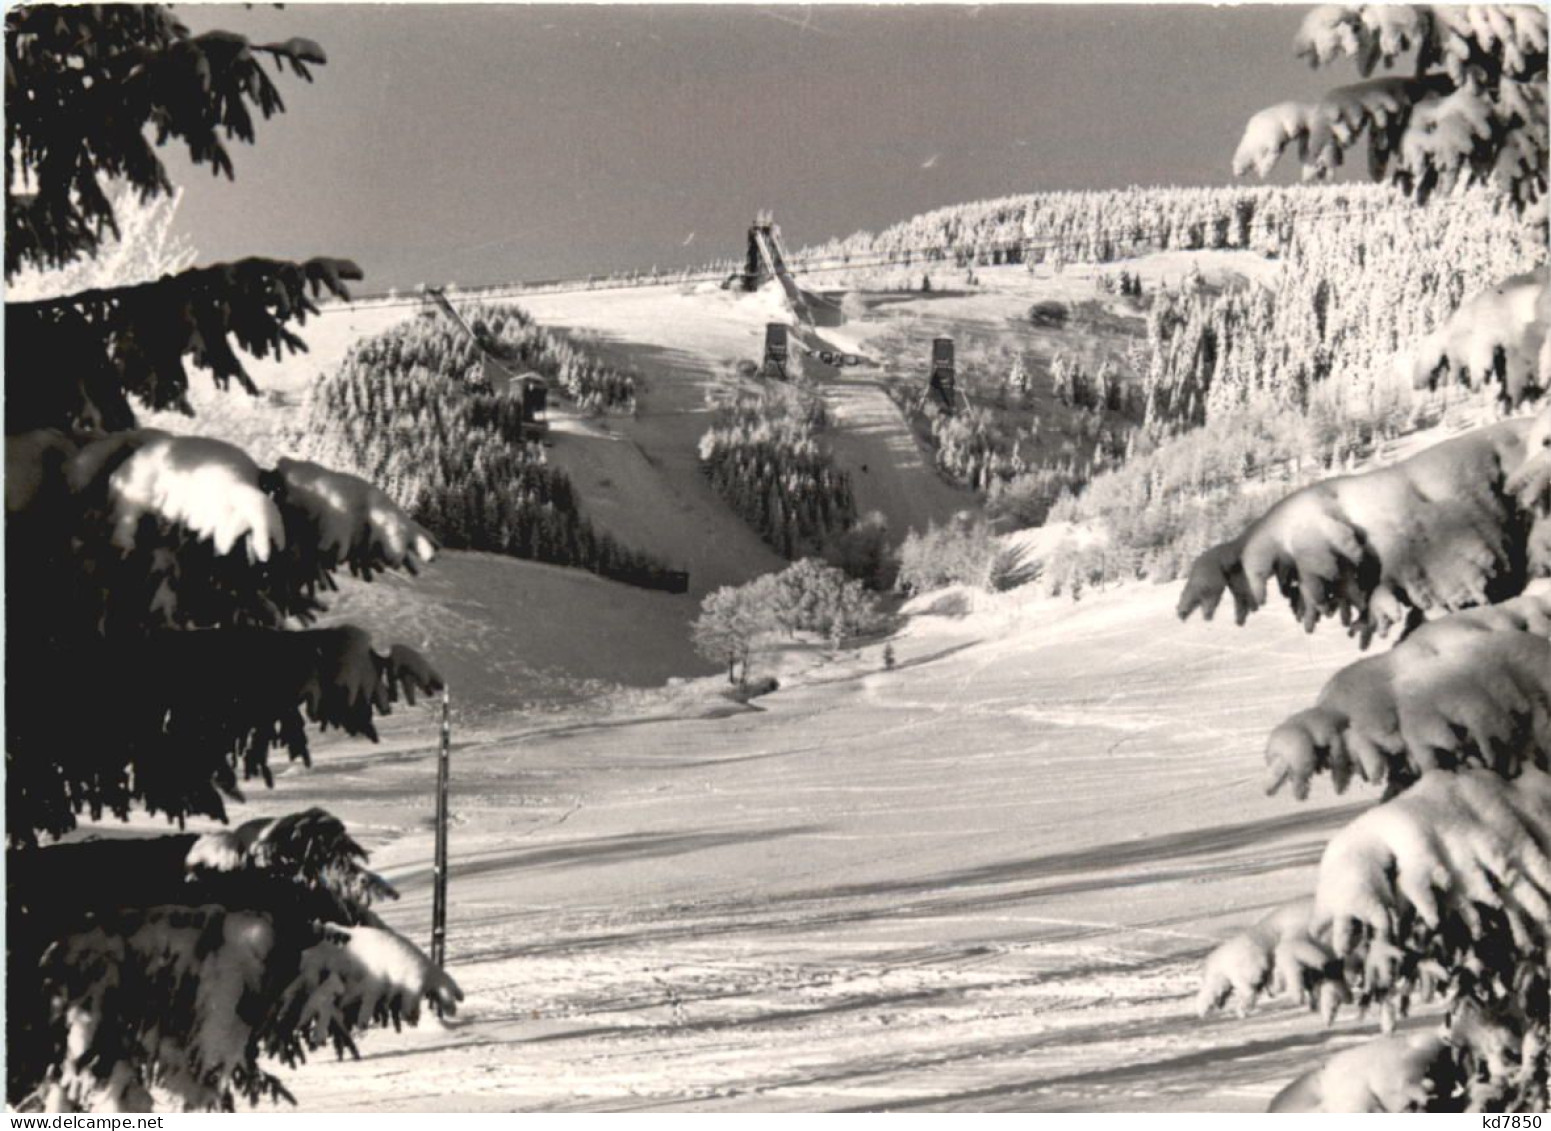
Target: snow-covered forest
{"type": "Point", "coordinates": [1101, 226]}
{"type": "Point", "coordinates": [1312, 366]}
{"type": "Point", "coordinates": [1361, 287]}
{"type": "Point", "coordinates": [1244, 388]}
{"type": "Point", "coordinates": [1252, 389]}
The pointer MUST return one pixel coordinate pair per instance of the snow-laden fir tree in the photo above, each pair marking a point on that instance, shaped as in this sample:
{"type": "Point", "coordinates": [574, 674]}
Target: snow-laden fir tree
{"type": "Point", "coordinates": [1472, 109]}
{"type": "Point", "coordinates": [1443, 890]}
{"type": "Point", "coordinates": [154, 583]}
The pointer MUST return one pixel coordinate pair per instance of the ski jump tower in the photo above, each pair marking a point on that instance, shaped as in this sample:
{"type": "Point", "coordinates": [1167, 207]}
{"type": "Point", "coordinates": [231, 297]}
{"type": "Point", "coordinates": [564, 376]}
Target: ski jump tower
{"type": "Point", "coordinates": [765, 260]}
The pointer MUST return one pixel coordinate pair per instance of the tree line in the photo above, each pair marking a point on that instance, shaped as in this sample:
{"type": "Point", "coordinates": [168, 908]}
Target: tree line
{"type": "Point", "coordinates": [1100, 226]}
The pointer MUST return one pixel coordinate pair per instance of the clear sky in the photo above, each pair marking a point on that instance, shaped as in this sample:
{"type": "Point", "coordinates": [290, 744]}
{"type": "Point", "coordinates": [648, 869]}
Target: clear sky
{"type": "Point", "coordinates": [485, 143]}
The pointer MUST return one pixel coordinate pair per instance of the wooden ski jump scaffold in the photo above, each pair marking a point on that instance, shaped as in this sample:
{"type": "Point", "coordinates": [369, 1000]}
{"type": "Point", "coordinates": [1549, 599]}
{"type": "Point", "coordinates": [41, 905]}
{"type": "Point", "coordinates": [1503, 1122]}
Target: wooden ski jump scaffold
{"type": "Point", "coordinates": [766, 259]}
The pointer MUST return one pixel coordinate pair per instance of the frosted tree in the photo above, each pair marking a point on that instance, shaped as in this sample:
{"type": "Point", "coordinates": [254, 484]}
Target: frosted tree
{"type": "Point", "coordinates": [1020, 380]}
{"type": "Point", "coordinates": [1064, 377]}
{"type": "Point", "coordinates": [1498, 336]}
{"type": "Point", "coordinates": [154, 588]}
{"type": "Point", "coordinates": [1443, 890]}
{"type": "Point", "coordinates": [147, 246]}
{"type": "Point", "coordinates": [807, 596]}
{"type": "Point", "coordinates": [733, 621]}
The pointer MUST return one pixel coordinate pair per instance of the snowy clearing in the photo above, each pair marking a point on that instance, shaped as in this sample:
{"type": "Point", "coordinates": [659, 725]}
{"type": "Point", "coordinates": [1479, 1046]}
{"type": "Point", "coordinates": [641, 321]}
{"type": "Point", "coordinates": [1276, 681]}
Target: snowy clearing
{"type": "Point", "coordinates": [983, 880]}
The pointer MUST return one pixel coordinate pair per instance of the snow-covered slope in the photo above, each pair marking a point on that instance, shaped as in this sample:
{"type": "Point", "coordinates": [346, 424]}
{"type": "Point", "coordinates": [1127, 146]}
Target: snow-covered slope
{"type": "Point", "coordinates": [521, 636]}
{"type": "Point", "coordinates": [687, 342]}
{"type": "Point", "coordinates": [981, 880]}
{"type": "Point", "coordinates": [639, 477]}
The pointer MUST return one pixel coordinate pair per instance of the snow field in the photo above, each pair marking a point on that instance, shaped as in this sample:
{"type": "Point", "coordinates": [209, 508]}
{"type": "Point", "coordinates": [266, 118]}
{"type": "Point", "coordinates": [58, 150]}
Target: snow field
{"type": "Point", "coordinates": [983, 880]}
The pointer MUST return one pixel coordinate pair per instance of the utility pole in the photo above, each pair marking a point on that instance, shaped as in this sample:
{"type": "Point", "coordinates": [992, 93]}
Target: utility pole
{"type": "Point", "coordinates": [439, 874]}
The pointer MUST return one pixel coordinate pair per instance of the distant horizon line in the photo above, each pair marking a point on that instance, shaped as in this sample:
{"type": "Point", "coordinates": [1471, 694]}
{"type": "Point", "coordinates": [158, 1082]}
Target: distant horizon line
{"type": "Point", "coordinates": [608, 279]}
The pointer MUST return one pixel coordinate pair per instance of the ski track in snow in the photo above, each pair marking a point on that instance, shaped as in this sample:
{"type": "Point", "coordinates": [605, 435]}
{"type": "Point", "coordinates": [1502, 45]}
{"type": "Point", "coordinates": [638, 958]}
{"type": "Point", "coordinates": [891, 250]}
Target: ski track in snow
{"type": "Point", "coordinates": [982, 881]}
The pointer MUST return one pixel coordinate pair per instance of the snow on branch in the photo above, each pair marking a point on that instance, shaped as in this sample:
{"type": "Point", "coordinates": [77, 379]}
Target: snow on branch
{"type": "Point", "coordinates": [1397, 1073]}
{"type": "Point", "coordinates": [101, 980]}
{"type": "Point", "coordinates": [1478, 1064]}
{"type": "Point", "coordinates": [1496, 336]}
{"type": "Point", "coordinates": [1473, 108]}
{"type": "Point", "coordinates": [1369, 34]}
{"type": "Point", "coordinates": [1456, 858]}
{"type": "Point", "coordinates": [1511, 36]}
{"type": "Point", "coordinates": [1474, 687]}
{"type": "Point", "coordinates": [210, 532]}
{"type": "Point", "coordinates": [179, 960]}
{"type": "Point", "coordinates": [355, 977]}
{"type": "Point", "coordinates": [1275, 956]}
{"type": "Point", "coordinates": [1440, 530]}
{"type": "Point", "coordinates": [1468, 136]}
{"type": "Point", "coordinates": [352, 522]}
{"type": "Point", "coordinates": [194, 559]}
{"type": "Point", "coordinates": [207, 487]}
{"type": "Point", "coordinates": [311, 849]}
{"type": "Point", "coordinates": [1442, 891]}
{"type": "Point", "coordinates": [1324, 130]}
